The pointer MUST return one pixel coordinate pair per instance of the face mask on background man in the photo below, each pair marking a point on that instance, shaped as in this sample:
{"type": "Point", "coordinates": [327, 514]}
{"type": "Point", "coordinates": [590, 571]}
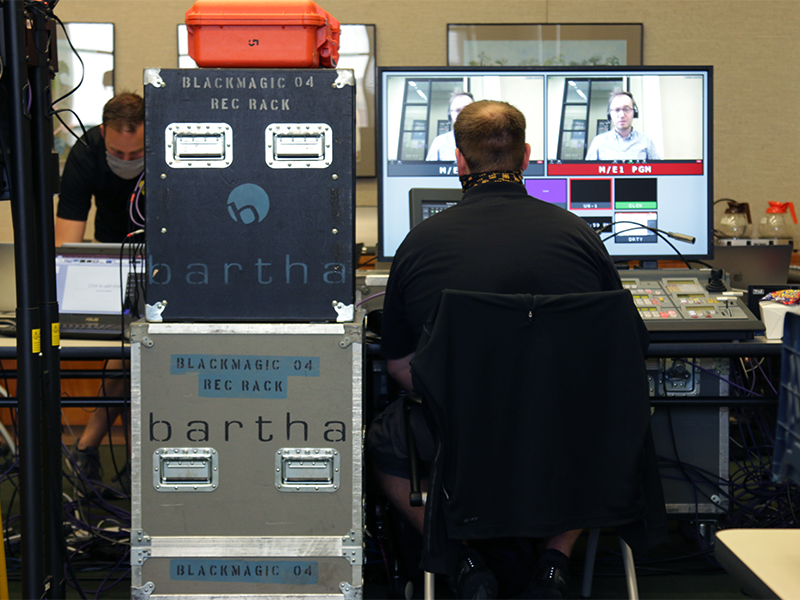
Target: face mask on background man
{"type": "Point", "coordinates": [125, 169]}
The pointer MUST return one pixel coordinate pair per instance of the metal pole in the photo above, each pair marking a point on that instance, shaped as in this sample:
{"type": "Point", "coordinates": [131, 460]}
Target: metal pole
{"type": "Point", "coordinates": [45, 165]}
{"type": "Point", "coordinates": [28, 336]}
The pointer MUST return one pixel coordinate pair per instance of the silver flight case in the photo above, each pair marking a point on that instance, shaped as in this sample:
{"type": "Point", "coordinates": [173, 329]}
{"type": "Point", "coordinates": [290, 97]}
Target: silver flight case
{"type": "Point", "coordinates": [246, 460]}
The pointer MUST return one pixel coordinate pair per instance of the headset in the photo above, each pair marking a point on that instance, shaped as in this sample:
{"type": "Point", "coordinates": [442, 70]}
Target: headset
{"type": "Point", "coordinates": [629, 95]}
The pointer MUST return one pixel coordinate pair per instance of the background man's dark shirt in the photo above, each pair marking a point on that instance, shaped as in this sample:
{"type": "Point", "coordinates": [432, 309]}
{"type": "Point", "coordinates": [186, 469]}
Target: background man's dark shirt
{"type": "Point", "coordinates": [87, 174]}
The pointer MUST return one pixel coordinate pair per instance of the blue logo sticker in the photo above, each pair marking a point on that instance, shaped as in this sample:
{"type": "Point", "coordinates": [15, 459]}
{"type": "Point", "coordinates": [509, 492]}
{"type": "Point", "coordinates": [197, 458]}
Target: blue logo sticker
{"type": "Point", "coordinates": [248, 203]}
{"type": "Point", "coordinates": [244, 376]}
{"type": "Point", "coordinates": [245, 571]}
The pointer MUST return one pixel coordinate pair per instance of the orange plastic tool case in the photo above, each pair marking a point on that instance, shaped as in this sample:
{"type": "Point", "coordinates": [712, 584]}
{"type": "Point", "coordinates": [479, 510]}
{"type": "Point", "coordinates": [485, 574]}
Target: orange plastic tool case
{"type": "Point", "coordinates": [262, 33]}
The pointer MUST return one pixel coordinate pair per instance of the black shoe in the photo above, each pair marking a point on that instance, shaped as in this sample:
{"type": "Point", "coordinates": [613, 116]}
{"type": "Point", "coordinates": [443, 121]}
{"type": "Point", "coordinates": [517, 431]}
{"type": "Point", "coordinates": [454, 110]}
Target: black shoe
{"type": "Point", "coordinates": [120, 486]}
{"type": "Point", "coordinates": [86, 463]}
{"type": "Point", "coordinates": [550, 576]}
{"type": "Point", "coordinates": [472, 578]}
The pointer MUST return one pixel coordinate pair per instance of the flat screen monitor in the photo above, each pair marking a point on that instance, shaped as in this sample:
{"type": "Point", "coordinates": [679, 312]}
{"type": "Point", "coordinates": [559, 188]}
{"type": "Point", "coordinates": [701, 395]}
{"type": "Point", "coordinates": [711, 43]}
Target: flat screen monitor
{"type": "Point", "coordinates": [660, 183]}
{"type": "Point", "coordinates": [426, 202]}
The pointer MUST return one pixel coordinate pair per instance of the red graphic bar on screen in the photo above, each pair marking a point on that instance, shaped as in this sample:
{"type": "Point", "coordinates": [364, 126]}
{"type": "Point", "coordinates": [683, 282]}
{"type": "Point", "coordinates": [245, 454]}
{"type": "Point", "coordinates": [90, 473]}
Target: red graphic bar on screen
{"type": "Point", "coordinates": [600, 168]}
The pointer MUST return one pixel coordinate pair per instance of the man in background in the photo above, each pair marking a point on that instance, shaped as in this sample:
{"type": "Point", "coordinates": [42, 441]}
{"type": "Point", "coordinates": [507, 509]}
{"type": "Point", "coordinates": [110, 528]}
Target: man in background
{"type": "Point", "coordinates": [107, 164]}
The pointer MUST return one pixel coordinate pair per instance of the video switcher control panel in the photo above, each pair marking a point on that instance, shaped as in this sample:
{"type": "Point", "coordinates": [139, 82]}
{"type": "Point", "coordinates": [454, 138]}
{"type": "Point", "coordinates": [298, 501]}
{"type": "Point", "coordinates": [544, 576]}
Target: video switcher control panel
{"type": "Point", "coordinates": [675, 304]}
{"type": "Point", "coordinates": [680, 306]}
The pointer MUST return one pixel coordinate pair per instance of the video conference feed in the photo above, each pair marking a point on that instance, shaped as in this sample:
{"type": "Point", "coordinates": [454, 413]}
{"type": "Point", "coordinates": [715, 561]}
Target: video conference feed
{"type": "Point", "coordinates": [619, 147]}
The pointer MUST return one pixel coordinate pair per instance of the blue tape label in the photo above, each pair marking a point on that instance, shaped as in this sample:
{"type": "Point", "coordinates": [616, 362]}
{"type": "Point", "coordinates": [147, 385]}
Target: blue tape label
{"type": "Point", "coordinates": [245, 571]}
{"type": "Point", "coordinates": [244, 376]}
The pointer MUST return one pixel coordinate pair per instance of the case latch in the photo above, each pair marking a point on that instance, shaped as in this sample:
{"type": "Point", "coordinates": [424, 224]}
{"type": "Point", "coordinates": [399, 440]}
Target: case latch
{"type": "Point", "coordinates": [307, 469]}
{"type": "Point", "coordinates": [198, 145]}
{"type": "Point", "coordinates": [185, 470]}
{"type": "Point", "coordinates": [298, 145]}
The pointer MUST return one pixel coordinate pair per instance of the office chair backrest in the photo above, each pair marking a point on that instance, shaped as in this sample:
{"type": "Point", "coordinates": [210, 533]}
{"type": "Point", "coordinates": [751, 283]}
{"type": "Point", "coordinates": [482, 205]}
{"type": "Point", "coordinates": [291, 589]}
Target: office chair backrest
{"type": "Point", "coordinates": [541, 411]}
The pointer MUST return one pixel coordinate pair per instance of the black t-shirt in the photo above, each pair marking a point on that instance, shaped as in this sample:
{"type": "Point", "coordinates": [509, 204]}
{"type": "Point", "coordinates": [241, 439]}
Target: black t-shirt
{"type": "Point", "coordinates": [87, 174]}
{"type": "Point", "coordinates": [496, 239]}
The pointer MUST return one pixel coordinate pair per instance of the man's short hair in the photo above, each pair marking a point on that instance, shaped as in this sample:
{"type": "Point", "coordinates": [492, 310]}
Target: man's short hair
{"type": "Point", "coordinates": [617, 93]}
{"type": "Point", "coordinates": [124, 112]}
{"type": "Point", "coordinates": [491, 136]}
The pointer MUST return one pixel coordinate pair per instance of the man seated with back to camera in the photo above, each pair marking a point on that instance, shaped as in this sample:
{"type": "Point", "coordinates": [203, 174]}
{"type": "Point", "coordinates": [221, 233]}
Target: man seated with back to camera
{"type": "Point", "coordinates": [496, 239]}
{"type": "Point", "coordinates": [105, 164]}
{"type": "Point", "coordinates": [623, 142]}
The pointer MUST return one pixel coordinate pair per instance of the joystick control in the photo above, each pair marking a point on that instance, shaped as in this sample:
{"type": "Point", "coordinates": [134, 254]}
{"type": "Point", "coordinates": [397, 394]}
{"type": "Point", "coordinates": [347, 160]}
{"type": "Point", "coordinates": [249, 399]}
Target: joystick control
{"type": "Point", "coordinates": [715, 284]}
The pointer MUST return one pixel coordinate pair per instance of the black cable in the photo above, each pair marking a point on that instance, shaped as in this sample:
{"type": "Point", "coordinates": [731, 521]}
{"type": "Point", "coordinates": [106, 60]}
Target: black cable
{"type": "Point", "coordinates": [62, 541]}
{"type": "Point", "coordinates": [658, 232]}
{"type": "Point", "coordinates": [76, 555]}
{"type": "Point", "coordinates": [9, 512]}
{"type": "Point", "coordinates": [57, 115]}
{"type": "Point", "coordinates": [56, 112]}
{"type": "Point", "coordinates": [679, 462]}
{"type": "Point", "coordinates": [77, 55]}
{"type": "Point", "coordinates": [751, 497]}
{"type": "Point", "coordinates": [4, 160]}
{"type": "Point", "coordinates": [367, 262]}
{"type": "Point", "coordinates": [699, 262]}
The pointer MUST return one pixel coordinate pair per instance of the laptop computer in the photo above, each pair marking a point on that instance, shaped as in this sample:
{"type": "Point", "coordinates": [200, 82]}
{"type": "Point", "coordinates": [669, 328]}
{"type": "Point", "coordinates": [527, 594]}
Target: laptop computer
{"type": "Point", "coordinates": [90, 280]}
{"type": "Point", "coordinates": [754, 265]}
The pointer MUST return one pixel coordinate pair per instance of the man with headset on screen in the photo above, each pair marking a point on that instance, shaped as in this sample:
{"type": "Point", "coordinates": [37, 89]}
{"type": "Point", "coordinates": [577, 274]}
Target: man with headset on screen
{"type": "Point", "coordinates": [623, 142]}
{"type": "Point", "coordinates": [444, 146]}
{"type": "Point", "coordinates": [554, 252]}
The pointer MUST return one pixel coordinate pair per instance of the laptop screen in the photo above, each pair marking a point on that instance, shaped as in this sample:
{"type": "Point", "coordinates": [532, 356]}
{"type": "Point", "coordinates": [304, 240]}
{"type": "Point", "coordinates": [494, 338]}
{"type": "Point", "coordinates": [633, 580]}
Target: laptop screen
{"type": "Point", "coordinates": [89, 281]}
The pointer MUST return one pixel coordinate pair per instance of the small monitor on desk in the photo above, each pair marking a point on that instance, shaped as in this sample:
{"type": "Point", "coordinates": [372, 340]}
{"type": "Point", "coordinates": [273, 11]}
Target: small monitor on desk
{"type": "Point", "coordinates": [426, 202]}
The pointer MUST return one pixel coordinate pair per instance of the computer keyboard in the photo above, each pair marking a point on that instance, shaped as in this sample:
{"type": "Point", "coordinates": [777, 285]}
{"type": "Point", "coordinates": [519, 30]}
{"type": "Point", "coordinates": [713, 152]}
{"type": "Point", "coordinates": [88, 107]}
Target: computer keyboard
{"type": "Point", "coordinates": [75, 331]}
{"type": "Point", "coordinates": [91, 331]}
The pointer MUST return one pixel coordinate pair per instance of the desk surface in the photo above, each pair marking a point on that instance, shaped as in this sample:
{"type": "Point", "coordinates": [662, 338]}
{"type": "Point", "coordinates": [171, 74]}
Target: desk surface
{"type": "Point", "coordinates": [73, 349]}
{"type": "Point", "coordinates": [760, 346]}
{"type": "Point", "coordinates": [765, 560]}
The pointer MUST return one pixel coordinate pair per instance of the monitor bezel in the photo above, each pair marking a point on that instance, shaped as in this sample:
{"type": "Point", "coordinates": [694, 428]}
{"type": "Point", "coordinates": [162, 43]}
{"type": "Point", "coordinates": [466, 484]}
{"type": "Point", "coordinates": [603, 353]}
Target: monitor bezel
{"type": "Point", "coordinates": [707, 70]}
